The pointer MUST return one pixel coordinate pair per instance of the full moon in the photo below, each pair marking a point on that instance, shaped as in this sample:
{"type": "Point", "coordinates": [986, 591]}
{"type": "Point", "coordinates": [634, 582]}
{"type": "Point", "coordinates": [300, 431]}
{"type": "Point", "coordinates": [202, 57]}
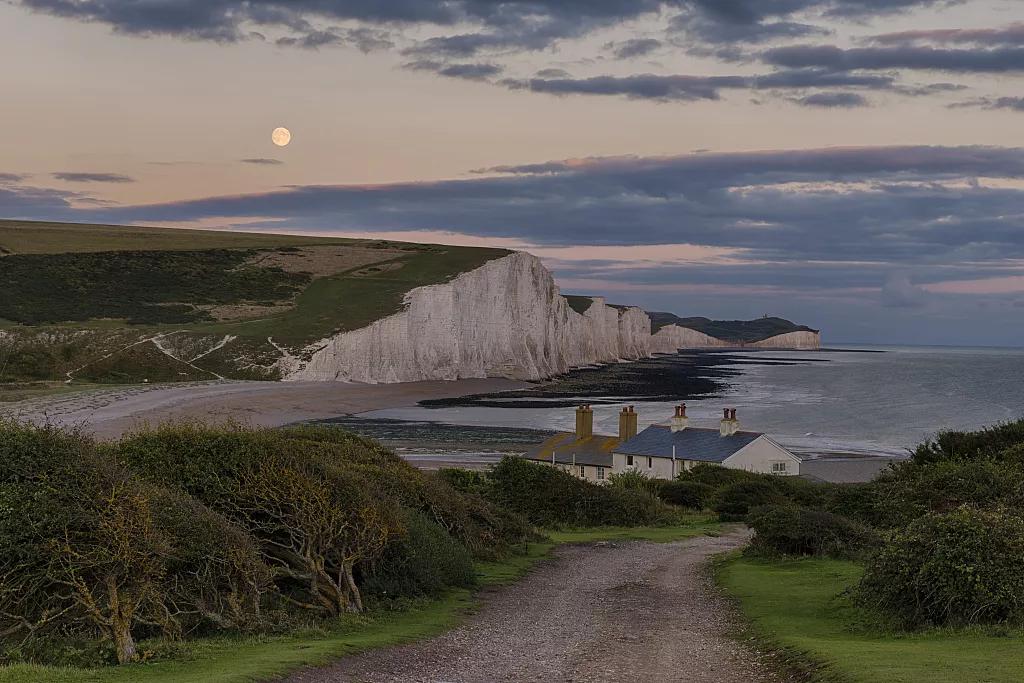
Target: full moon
{"type": "Point", "coordinates": [281, 136]}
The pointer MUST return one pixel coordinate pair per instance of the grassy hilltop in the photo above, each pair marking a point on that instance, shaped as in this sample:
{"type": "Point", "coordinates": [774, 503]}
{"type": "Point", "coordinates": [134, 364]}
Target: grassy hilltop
{"type": "Point", "coordinates": [83, 296]}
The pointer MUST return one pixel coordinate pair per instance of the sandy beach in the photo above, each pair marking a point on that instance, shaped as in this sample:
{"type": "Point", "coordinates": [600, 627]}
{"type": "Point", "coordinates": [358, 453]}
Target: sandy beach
{"type": "Point", "coordinates": [108, 413]}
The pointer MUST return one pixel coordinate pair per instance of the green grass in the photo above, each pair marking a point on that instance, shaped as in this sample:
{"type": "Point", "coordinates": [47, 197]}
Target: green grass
{"type": "Point", "coordinates": [349, 301]}
{"type": "Point", "coordinates": [245, 659]}
{"type": "Point", "coordinates": [797, 606]}
{"type": "Point", "coordinates": [31, 237]}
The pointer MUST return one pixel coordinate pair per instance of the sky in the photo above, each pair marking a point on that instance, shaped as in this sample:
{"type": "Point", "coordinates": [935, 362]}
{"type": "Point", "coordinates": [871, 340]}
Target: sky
{"type": "Point", "coordinates": [853, 165]}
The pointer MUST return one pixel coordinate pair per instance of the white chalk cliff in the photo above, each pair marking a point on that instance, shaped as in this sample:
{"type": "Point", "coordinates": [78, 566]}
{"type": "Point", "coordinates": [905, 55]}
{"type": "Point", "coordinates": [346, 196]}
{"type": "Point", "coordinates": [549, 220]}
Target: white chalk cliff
{"type": "Point", "coordinates": [504, 319]}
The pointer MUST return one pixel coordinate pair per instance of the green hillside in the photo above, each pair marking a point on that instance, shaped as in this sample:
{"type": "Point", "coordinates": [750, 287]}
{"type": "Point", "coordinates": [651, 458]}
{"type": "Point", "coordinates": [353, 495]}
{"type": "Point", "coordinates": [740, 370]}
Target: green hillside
{"type": "Point", "coordinates": [745, 331]}
{"type": "Point", "coordinates": [213, 304]}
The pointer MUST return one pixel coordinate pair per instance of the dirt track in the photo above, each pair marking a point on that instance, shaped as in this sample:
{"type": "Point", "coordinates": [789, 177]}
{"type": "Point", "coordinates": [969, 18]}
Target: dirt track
{"type": "Point", "coordinates": [621, 612]}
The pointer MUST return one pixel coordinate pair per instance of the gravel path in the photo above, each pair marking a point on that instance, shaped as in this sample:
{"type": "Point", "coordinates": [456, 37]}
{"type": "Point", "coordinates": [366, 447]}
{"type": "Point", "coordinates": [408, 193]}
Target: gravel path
{"type": "Point", "coordinates": [624, 611]}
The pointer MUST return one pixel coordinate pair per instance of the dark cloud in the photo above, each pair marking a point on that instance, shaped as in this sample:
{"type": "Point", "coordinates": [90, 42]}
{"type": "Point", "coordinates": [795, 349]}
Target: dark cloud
{"type": "Point", "coordinates": [895, 205]}
{"type": "Point", "coordinates": [1012, 34]}
{"type": "Point", "coordinates": [552, 73]}
{"type": "Point", "coordinates": [685, 88]}
{"type": "Point", "coordinates": [73, 177]}
{"type": "Point", "coordinates": [471, 72]}
{"type": "Point", "coordinates": [980, 60]}
{"type": "Point", "coordinates": [11, 177]}
{"type": "Point", "coordinates": [756, 21]}
{"type": "Point", "coordinates": [635, 47]}
{"type": "Point", "coordinates": [833, 100]}
{"type": "Point", "coordinates": [365, 40]}
{"type": "Point", "coordinates": [260, 161]}
{"type": "Point", "coordinates": [1010, 103]}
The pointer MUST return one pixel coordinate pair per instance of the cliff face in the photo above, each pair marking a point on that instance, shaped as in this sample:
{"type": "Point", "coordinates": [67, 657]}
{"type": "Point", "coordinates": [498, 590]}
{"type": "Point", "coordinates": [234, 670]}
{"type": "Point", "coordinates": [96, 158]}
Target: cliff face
{"type": "Point", "coordinates": [504, 319]}
{"type": "Point", "coordinates": [800, 341]}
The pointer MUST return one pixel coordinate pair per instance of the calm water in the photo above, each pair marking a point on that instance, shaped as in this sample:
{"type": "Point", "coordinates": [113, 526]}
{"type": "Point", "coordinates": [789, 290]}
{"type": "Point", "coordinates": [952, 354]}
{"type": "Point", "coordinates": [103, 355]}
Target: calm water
{"type": "Point", "coordinates": [832, 401]}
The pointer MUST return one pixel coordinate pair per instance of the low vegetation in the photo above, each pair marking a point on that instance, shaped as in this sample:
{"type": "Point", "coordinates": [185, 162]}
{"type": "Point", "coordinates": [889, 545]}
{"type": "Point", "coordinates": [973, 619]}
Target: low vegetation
{"type": "Point", "coordinates": [126, 552]}
{"type": "Point", "coordinates": [933, 550]}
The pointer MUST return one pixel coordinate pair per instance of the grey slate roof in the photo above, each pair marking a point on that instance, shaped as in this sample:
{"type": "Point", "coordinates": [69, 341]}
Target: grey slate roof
{"type": "Point", "coordinates": [692, 443]}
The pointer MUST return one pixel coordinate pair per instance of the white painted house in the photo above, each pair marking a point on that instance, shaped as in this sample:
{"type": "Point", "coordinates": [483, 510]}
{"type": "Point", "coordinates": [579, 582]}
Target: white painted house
{"type": "Point", "coordinates": [662, 451]}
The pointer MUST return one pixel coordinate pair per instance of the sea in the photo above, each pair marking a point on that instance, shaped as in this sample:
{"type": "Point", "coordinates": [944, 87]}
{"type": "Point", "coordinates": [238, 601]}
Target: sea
{"type": "Point", "coordinates": [854, 400]}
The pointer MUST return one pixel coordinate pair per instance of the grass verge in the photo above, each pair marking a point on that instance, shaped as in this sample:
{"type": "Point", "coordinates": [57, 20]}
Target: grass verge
{"type": "Point", "coordinates": [797, 608]}
{"type": "Point", "coordinates": [247, 659]}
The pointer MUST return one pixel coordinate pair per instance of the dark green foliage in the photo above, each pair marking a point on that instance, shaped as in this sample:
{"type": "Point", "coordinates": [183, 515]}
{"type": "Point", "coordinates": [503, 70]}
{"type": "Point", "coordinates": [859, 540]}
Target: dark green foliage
{"type": "Point", "coordinates": [141, 286]}
{"type": "Point", "coordinates": [423, 562]}
{"type": "Point", "coordinates": [580, 304]}
{"type": "Point", "coordinates": [792, 530]}
{"type": "Point", "coordinates": [717, 476]}
{"type": "Point", "coordinates": [467, 481]}
{"type": "Point", "coordinates": [953, 569]}
{"type": "Point", "coordinates": [733, 502]}
{"type": "Point", "coordinates": [634, 480]}
{"type": "Point", "coordinates": [550, 497]}
{"type": "Point", "coordinates": [688, 494]}
{"type": "Point", "coordinates": [730, 330]}
{"type": "Point", "coordinates": [954, 445]}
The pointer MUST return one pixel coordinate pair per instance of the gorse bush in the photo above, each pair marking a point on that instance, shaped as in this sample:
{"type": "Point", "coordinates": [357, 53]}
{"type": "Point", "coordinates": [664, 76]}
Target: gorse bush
{"type": "Point", "coordinates": [191, 529]}
{"type": "Point", "coordinates": [734, 501]}
{"type": "Point", "coordinates": [426, 561]}
{"type": "Point", "coordinates": [956, 445]}
{"type": "Point", "coordinates": [548, 496]}
{"type": "Point", "coordinates": [634, 480]}
{"type": "Point", "coordinates": [688, 494]}
{"type": "Point", "coordinates": [958, 568]}
{"type": "Point", "coordinates": [792, 530]}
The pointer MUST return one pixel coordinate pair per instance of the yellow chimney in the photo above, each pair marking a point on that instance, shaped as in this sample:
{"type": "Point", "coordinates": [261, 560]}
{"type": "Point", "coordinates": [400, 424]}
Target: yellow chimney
{"type": "Point", "coordinates": [627, 423]}
{"type": "Point", "coordinates": [584, 422]}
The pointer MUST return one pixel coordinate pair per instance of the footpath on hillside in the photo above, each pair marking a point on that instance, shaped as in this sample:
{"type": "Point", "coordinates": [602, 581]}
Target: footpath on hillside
{"type": "Point", "coordinates": [606, 612]}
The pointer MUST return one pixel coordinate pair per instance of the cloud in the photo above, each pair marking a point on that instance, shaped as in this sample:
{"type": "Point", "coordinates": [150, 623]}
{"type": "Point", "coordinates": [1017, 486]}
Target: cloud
{"type": "Point", "coordinates": [981, 60]}
{"type": "Point", "coordinates": [260, 161]}
{"type": "Point", "coordinates": [892, 205]}
{"type": "Point", "coordinates": [687, 88]}
{"type": "Point", "coordinates": [471, 72]}
{"type": "Point", "coordinates": [634, 47]}
{"type": "Point", "coordinates": [899, 292]}
{"type": "Point", "coordinates": [1012, 34]}
{"type": "Point", "coordinates": [74, 177]}
{"type": "Point", "coordinates": [11, 177]}
{"type": "Point", "coordinates": [365, 40]}
{"type": "Point", "coordinates": [1009, 103]}
{"type": "Point", "coordinates": [833, 100]}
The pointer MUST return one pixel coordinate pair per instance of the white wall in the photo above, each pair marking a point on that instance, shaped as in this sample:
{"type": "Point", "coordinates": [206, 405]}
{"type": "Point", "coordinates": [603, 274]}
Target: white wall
{"type": "Point", "coordinates": [759, 456]}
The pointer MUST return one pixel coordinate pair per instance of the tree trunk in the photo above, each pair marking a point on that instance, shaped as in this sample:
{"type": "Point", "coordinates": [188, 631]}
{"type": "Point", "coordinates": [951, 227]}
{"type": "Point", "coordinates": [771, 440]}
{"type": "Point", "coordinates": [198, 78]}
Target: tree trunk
{"type": "Point", "coordinates": [123, 640]}
{"type": "Point", "coordinates": [357, 599]}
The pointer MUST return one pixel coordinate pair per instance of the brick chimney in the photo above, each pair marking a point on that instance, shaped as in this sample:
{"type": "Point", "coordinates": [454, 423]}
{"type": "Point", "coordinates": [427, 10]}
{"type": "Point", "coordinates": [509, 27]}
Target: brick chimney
{"type": "Point", "coordinates": [627, 423]}
{"type": "Point", "coordinates": [729, 425]}
{"type": "Point", "coordinates": [584, 422]}
{"type": "Point", "coordinates": [679, 420]}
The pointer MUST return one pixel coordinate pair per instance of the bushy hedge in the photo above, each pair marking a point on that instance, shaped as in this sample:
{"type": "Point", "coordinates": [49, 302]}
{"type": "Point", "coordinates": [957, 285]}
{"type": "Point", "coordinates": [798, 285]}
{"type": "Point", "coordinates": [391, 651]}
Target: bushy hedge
{"type": "Point", "coordinates": [550, 497]}
{"type": "Point", "coordinates": [190, 529]}
{"type": "Point", "coordinates": [734, 501]}
{"type": "Point", "coordinates": [688, 494]}
{"type": "Point", "coordinates": [793, 530]}
{"type": "Point", "coordinates": [958, 568]}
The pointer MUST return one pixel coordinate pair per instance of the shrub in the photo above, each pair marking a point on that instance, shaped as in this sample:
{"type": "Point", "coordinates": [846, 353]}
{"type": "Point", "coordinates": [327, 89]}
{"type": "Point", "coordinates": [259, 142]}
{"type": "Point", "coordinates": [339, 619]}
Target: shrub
{"type": "Point", "coordinates": [716, 476]}
{"type": "Point", "coordinates": [425, 561]}
{"type": "Point", "coordinates": [955, 445]}
{"type": "Point", "coordinates": [87, 548]}
{"type": "Point", "coordinates": [733, 502]}
{"type": "Point", "coordinates": [466, 481]}
{"type": "Point", "coordinates": [550, 497]}
{"type": "Point", "coordinates": [316, 517]}
{"type": "Point", "coordinates": [792, 530]}
{"type": "Point", "coordinates": [958, 568]}
{"type": "Point", "coordinates": [687, 494]}
{"type": "Point", "coordinates": [634, 480]}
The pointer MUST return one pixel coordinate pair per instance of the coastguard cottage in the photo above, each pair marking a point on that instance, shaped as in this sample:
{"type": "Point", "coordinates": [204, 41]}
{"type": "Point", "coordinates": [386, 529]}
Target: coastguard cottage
{"type": "Point", "coordinates": [662, 451]}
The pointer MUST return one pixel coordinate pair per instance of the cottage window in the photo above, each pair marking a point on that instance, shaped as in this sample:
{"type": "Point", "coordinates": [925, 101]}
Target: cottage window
{"type": "Point", "coordinates": [650, 462]}
{"type": "Point", "coordinates": [600, 473]}
{"type": "Point", "coordinates": [778, 468]}
{"type": "Point", "coordinates": [583, 471]}
{"type": "Point", "coordinates": [629, 461]}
